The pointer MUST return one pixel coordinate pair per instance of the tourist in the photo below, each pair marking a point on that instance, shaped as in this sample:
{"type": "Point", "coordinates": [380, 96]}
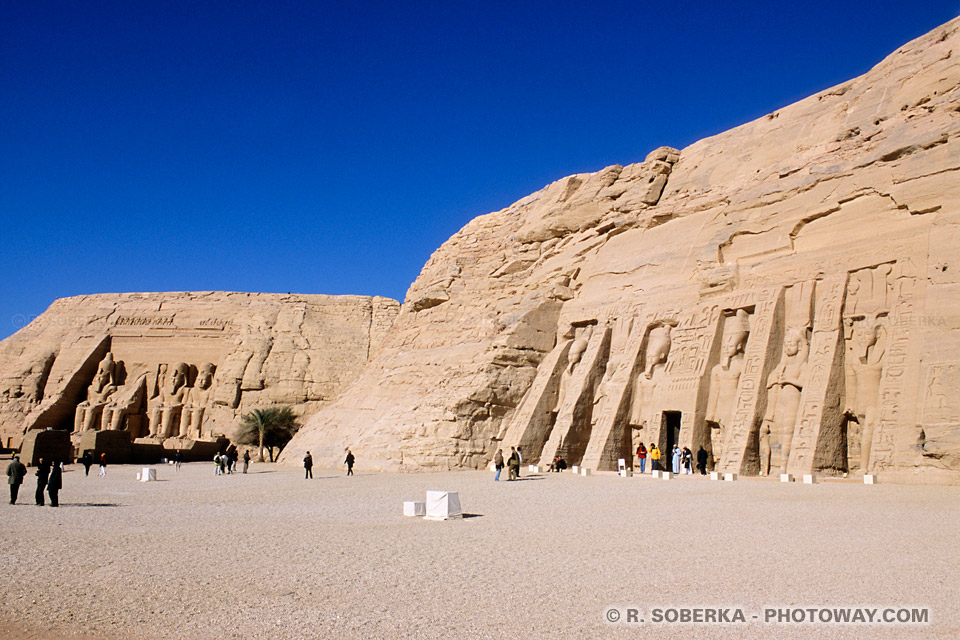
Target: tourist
{"type": "Point", "coordinates": [87, 461]}
{"type": "Point", "coordinates": [686, 461]}
{"type": "Point", "coordinates": [55, 483]}
{"type": "Point", "coordinates": [561, 464]}
{"type": "Point", "coordinates": [642, 456]}
{"type": "Point", "coordinates": [654, 457]}
{"type": "Point", "coordinates": [498, 464]}
{"type": "Point", "coordinates": [349, 462]}
{"type": "Point", "coordinates": [702, 461]}
{"type": "Point", "coordinates": [232, 458]}
{"type": "Point", "coordinates": [43, 473]}
{"type": "Point", "coordinates": [675, 456]}
{"type": "Point", "coordinates": [519, 461]}
{"type": "Point", "coordinates": [513, 464]}
{"type": "Point", "coordinates": [217, 467]}
{"type": "Point", "coordinates": [178, 459]}
{"type": "Point", "coordinates": [308, 466]}
{"type": "Point", "coordinates": [15, 475]}
{"type": "Point", "coordinates": [246, 461]}
{"type": "Point", "coordinates": [103, 464]}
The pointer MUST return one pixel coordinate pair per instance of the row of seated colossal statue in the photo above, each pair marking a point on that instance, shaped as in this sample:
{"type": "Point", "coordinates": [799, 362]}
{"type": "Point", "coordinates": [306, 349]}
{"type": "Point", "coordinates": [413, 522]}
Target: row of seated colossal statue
{"type": "Point", "coordinates": [757, 419]}
{"type": "Point", "coordinates": [170, 407]}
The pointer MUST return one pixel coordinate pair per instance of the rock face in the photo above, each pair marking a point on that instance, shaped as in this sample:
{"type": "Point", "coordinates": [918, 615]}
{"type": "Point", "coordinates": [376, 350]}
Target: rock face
{"type": "Point", "coordinates": [182, 365]}
{"type": "Point", "coordinates": [785, 295]}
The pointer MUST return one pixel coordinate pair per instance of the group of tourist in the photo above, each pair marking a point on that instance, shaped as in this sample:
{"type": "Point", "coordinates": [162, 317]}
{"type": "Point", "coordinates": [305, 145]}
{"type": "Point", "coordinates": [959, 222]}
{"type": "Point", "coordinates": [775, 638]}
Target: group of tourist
{"type": "Point", "coordinates": [513, 464]}
{"type": "Point", "coordinates": [226, 462]}
{"type": "Point", "coordinates": [49, 477]}
{"type": "Point", "coordinates": [681, 460]}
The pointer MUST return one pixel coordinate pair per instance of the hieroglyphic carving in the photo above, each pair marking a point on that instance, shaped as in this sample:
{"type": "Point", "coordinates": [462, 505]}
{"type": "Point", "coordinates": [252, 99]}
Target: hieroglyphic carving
{"type": "Point", "coordinates": [752, 376]}
{"type": "Point", "coordinates": [817, 438]}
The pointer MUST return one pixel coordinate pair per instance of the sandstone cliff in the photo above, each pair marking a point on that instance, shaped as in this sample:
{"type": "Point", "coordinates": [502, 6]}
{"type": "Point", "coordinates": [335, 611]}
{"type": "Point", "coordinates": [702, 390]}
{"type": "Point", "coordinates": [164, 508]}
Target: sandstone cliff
{"type": "Point", "coordinates": [264, 349]}
{"type": "Point", "coordinates": [785, 294]}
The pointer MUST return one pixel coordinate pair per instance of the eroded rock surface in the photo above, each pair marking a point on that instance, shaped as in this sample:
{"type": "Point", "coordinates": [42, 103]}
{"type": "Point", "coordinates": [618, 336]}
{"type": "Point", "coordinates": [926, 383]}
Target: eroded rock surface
{"type": "Point", "coordinates": [785, 294]}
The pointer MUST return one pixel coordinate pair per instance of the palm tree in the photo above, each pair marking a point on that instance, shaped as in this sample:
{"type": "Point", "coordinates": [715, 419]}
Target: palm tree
{"type": "Point", "coordinates": [270, 428]}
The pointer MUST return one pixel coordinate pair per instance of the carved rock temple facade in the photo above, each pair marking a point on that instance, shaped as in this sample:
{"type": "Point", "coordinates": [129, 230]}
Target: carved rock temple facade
{"type": "Point", "coordinates": [785, 295]}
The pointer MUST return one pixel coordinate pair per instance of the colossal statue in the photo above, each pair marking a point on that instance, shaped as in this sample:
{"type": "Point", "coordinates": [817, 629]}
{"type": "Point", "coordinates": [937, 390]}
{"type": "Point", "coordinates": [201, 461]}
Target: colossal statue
{"type": "Point", "coordinates": [580, 340]}
{"type": "Point", "coordinates": [654, 367]}
{"type": "Point", "coordinates": [126, 402]}
{"type": "Point", "coordinates": [724, 378]}
{"type": "Point", "coordinates": [103, 386]}
{"type": "Point", "coordinates": [168, 405]}
{"type": "Point", "coordinates": [784, 385]}
{"type": "Point", "coordinates": [865, 332]}
{"type": "Point", "coordinates": [196, 401]}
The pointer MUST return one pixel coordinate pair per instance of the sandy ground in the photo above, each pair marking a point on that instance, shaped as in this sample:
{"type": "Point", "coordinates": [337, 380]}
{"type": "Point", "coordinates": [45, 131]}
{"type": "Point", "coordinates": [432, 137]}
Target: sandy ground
{"type": "Point", "coordinates": [271, 555]}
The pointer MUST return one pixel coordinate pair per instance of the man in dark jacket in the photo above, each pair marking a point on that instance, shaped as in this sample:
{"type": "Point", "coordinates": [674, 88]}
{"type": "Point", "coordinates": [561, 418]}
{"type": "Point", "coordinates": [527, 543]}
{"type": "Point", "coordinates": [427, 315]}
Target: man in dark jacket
{"type": "Point", "coordinates": [43, 473]}
{"type": "Point", "coordinates": [16, 472]}
{"type": "Point", "coordinates": [702, 461]}
{"type": "Point", "coordinates": [55, 483]}
{"type": "Point", "coordinates": [308, 465]}
{"type": "Point", "coordinates": [349, 462]}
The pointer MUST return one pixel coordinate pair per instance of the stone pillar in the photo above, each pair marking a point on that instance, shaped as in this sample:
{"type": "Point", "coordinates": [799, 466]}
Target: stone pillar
{"type": "Point", "coordinates": [817, 440]}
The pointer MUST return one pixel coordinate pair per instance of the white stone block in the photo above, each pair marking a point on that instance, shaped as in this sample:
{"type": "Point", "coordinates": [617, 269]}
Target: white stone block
{"type": "Point", "coordinates": [443, 505]}
{"type": "Point", "coordinates": [666, 475]}
{"type": "Point", "coordinates": [870, 478]}
{"type": "Point", "coordinates": [809, 478]}
{"type": "Point", "coordinates": [786, 477]}
{"type": "Point", "coordinates": [621, 464]}
{"type": "Point", "coordinates": [413, 508]}
{"type": "Point", "coordinates": [584, 471]}
{"type": "Point", "coordinates": [493, 467]}
{"type": "Point", "coordinates": [625, 473]}
{"type": "Point", "coordinates": [729, 477]}
{"type": "Point", "coordinates": [148, 474]}
{"type": "Point", "coordinates": [715, 475]}
{"type": "Point", "coordinates": [655, 473]}
{"type": "Point", "coordinates": [575, 469]}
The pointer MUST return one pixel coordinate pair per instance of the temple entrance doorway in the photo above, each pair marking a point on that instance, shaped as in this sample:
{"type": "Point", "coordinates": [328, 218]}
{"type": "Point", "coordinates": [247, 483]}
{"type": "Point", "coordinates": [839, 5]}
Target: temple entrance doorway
{"type": "Point", "coordinates": [669, 434]}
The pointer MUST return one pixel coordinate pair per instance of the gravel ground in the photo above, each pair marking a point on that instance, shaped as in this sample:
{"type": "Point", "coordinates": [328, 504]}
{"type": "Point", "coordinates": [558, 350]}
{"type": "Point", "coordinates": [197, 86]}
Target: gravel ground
{"type": "Point", "coordinates": [270, 554]}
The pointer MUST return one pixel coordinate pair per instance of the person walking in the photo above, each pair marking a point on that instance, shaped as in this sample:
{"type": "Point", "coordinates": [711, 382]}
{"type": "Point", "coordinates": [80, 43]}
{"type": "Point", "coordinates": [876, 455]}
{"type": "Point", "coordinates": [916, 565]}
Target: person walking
{"type": "Point", "coordinates": [43, 473]}
{"type": "Point", "coordinates": [349, 462]}
{"type": "Point", "coordinates": [702, 461]}
{"type": "Point", "coordinates": [246, 461]}
{"type": "Point", "coordinates": [675, 456]}
{"type": "Point", "coordinates": [16, 472]}
{"type": "Point", "coordinates": [308, 466]}
{"type": "Point", "coordinates": [519, 461]}
{"type": "Point", "coordinates": [642, 457]}
{"type": "Point", "coordinates": [103, 464]}
{"type": "Point", "coordinates": [55, 483]}
{"type": "Point", "coordinates": [87, 461]}
{"type": "Point", "coordinates": [498, 464]}
{"type": "Point", "coordinates": [654, 458]}
{"type": "Point", "coordinates": [178, 459]}
{"type": "Point", "coordinates": [513, 464]}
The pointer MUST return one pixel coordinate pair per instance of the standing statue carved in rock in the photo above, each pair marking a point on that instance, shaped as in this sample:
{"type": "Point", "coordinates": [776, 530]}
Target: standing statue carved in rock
{"type": "Point", "coordinates": [196, 402]}
{"type": "Point", "coordinates": [864, 364]}
{"type": "Point", "coordinates": [580, 341]}
{"type": "Point", "coordinates": [167, 406]}
{"type": "Point", "coordinates": [655, 367]}
{"type": "Point", "coordinates": [784, 386]}
{"type": "Point", "coordinates": [103, 386]}
{"type": "Point", "coordinates": [724, 379]}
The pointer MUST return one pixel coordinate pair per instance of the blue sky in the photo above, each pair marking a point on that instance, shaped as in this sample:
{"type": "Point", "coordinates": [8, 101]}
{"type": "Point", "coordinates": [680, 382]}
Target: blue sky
{"type": "Point", "coordinates": [330, 148]}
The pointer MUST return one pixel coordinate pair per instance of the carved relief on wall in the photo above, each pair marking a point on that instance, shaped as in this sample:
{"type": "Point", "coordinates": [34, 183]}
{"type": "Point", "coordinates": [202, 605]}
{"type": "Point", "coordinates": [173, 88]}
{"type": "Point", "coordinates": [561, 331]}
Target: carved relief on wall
{"type": "Point", "coordinates": [725, 378]}
{"type": "Point", "coordinates": [580, 338]}
{"type": "Point", "coordinates": [865, 324]}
